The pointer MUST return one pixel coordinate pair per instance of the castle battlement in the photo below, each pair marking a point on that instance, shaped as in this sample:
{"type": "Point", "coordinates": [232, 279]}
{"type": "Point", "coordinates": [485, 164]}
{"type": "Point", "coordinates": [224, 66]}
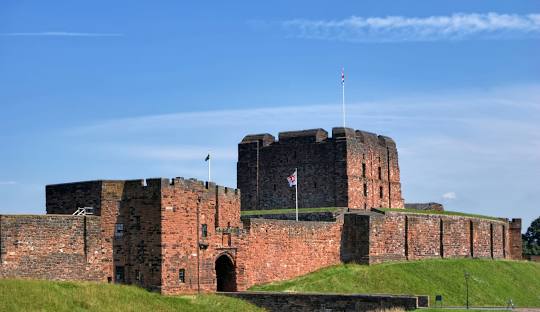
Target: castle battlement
{"type": "Point", "coordinates": [319, 135]}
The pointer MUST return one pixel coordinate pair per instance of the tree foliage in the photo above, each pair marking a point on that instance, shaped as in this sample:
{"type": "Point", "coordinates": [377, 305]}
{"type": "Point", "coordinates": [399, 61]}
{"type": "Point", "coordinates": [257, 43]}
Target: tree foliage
{"type": "Point", "coordinates": [531, 239]}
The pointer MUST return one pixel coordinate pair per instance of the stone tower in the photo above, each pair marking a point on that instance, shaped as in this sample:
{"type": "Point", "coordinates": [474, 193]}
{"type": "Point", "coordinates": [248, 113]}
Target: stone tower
{"type": "Point", "coordinates": [353, 168]}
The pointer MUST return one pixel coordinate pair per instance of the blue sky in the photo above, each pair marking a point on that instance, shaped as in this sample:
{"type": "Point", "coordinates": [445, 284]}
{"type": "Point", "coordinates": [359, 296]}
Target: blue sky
{"type": "Point", "coordinates": [123, 90]}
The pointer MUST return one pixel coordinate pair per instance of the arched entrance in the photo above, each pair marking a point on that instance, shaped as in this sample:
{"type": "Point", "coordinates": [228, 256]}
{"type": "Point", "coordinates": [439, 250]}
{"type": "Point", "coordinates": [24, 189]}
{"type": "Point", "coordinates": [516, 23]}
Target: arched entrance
{"type": "Point", "coordinates": [225, 274]}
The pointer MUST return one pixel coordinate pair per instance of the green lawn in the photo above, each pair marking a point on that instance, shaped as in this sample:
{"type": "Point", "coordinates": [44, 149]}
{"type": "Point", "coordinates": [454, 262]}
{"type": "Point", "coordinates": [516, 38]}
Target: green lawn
{"type": "Point", "coordinates": [447, 213]}
{"type": "Point", "coordinates": [32, 295]}
{"type": "Point", "coordinates": [283, 211]}
{"type": "Point", "coordinates": [491, 282]}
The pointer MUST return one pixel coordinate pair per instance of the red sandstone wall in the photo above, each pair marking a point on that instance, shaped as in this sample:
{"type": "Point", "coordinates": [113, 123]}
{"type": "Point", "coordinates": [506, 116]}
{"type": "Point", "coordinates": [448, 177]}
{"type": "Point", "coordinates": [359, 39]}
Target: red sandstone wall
{"type": "Point", "coordinates": [66, 198]}
{"type": "Point", "coordinates": [499, 250]}
{"type": "Point", "coordinates": [514, 239]}
{"type": "Point", "coordinates": [228, 207]}
{"type": "Point", "coordinates": [279, 249]}
{"type": "Point", "coordinates": [433, 236]}
{"type": "Point", "coordinates": [456, 235]}
{"type": "Point", "coordinates": [51, 247]}
{"type": "Point", "coordinates": [330, 171]}
{"type": "Point", "coordinates": [423, 237]}
{"type": "Point", "coordinates": [364, 148]}
{"type": "Point", "coordinates": [387, 238]}
{"type": "Point", "coordinates": [481, 239]}
{"type": "Point", "coordinates": [138, 249]}
{"type": "Point", "coordinates": [219, 210]}
{"type": "Point", "coordinates": [111, 196]}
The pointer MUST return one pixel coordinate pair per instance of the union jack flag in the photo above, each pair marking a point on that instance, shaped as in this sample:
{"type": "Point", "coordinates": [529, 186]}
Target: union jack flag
{"type": "Point", "coordinates": [292, 179]}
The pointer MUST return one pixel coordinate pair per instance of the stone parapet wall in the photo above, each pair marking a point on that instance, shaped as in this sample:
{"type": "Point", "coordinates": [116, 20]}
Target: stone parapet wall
{"type": "Point", "coordinates": [278, 302]}
{"type": "Point", "coordinates": [387, 240]}
{"type": "Point", "coordinates": [278, 249]}
{"type": "Point", "coordinates": [399, 236]}
{"type": "Point", "coordinates": [67, 197]}
{"type": "Point", "coordinates": [53, 247]}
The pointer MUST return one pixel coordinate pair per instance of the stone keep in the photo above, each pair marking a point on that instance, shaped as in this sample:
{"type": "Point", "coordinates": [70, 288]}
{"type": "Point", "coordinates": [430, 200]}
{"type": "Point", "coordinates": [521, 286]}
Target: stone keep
{"type": "Point", "coordinates": [353, 168]}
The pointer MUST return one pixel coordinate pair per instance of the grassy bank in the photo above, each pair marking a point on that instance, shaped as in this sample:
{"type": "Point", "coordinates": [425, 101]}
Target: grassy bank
{"type": "Point", "coordinates": [24, 295]}
{"type": "Point", "coordinates": [491, 282]}
{"type": "Point", "coordinates": [286, 211]}
{"type": "Point", "coordinates": [437, 212]}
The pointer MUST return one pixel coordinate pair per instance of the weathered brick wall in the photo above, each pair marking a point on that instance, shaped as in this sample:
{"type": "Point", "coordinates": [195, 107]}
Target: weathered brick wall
{"type": "Point", "coordinates": [499, 248]}
{"type": "Point", "coordinates": [355, 238]}
{"type": "Point", "coordinates": [331, 171]}
{"type": "Point", "coordinates": [51, 247]}
{"type": "Point", "coordinates": [514, 238]}
{"type": "Point", "coordinates": [481, 239]}
{"type": "Point", "coordinates": [423, 237]}
{"type": "Point", "coordinates": [320, 162]}
{"type": "Point", "coordinates": [456, 237]}
{"type": "Point", "coordinates": [278, 302]}
{"type": "Point", "coordinates": [137, 246]}
{"type": "Point", "coordinates": [378, 155]}
{"type": "Point", "coordinates": [66, 198]}
{"type": "Point", "coordinates": [228, 207]}
{"type": "Point", "coordinates": [111, 197]}
{"type": "Point", "coordinates": [216, 207]}
{"type": "Point", "coordinates": [280, 249]}
{"type": "Point", "coordinates": [387, 238]}
{"type": "Point", "coordinates": [436, 236]}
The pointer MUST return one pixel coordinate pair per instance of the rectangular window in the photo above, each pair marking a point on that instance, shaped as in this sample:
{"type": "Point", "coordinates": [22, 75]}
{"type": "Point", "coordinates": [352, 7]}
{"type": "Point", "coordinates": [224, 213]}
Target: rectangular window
{"type": "Point", "coordinates": [182, 275]}
{"type": "Point", "coordinates": [381, 192]}
{"type": "Point", "coordinates": [380, 173]}
{"type": "Point", "coordinates": [204, 230]}
{"type": "Point", "coordinates": [363, 170]}
{"type": "Point", "coordinates": [119, 274]}
{"type": "Point", "coordinates": [118, 230]}
{"type": "Point", "coordinates": [365, 189]}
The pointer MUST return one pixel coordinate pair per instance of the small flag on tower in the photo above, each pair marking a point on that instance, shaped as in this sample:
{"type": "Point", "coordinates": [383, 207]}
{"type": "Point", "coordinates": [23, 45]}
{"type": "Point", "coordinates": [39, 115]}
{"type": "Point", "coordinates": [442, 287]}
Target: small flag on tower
{"type": "Point", "coordinates": [292, 179]}
{"type": "Point", "coordinates": [342, 76]}
{"type": "Point", "coordinates": [207, 157]}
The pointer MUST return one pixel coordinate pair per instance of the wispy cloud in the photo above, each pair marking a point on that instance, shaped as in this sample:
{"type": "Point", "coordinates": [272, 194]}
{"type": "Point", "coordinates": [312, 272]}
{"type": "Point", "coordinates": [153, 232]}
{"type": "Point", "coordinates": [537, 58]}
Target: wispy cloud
{"type": "Point", "coordinates": [60, 34]}
{"type": "Point", "coordinates": [449, 195]}
{"type": "Point", "coordinates": [8, 182]}
{"type": "Point", "coordinates": [459, 26]}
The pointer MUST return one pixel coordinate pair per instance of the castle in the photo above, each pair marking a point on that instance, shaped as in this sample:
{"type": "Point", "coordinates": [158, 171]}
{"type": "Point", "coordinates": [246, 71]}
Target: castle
{"type": "Point", "coordinates": [183, 236]}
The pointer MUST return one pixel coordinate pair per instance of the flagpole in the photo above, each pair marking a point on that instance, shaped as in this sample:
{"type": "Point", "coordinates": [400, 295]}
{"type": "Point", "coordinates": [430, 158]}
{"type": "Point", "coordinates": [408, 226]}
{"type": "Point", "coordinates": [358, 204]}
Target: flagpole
{"type": "Point", "coordinates": [296, 191]}
{"type": "Point", "coordinates": [209, 166]}
{"type": "Point", "coordinates": [343, 94]}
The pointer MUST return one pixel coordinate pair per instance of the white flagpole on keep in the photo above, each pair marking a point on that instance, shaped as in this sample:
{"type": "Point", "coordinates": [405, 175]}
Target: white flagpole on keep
{"type": "Point", "coordinates": [343, 94]}
{"type": "Point", "coordinates": [296, 191]}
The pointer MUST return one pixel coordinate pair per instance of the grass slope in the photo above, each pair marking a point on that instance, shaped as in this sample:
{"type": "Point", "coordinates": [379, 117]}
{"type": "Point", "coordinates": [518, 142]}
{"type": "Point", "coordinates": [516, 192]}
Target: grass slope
{"type": "Point", "coordinates": [31, 295]}
{"type": "Point", "coordinates": [287, 210]}
{"type": "Point", "coordinates": [491, 283]}
{"type": "Point", "coordinates": [437, 212]}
